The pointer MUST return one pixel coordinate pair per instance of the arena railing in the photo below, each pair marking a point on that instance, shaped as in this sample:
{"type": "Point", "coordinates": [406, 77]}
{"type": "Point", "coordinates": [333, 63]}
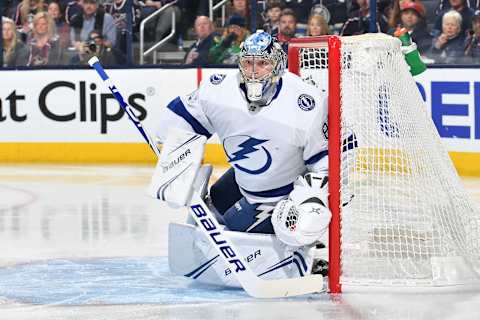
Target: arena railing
{"type": "Point", "coordinates": [160, 43]}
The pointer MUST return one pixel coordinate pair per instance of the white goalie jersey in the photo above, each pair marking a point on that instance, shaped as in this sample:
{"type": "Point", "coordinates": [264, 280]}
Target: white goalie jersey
{"type": "Point", "coordinates": [269, 146]}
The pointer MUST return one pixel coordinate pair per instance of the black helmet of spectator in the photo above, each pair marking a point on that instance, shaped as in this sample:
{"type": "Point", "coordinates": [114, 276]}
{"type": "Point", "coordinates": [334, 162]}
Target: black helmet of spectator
{"type": "Point", "coordinates": [476, 16]}
{"type": "Point", "coordinates": [237, 20]}
{"type": "Point", "coordinates": [417, 7]}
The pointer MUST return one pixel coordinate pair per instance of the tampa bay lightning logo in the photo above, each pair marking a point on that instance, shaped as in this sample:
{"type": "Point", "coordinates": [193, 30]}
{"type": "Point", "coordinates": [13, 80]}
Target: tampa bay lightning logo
{"type": "Point", "coordinates": [306, 102]}
{"type": "Point", "coordinates": [247, 154]}
{"type": "Point", "coordinates": [217, 78]}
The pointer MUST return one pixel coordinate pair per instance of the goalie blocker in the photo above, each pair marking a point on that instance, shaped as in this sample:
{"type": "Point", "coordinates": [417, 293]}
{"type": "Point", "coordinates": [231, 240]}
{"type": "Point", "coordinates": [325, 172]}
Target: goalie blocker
{"type": "Point", "coordinates": [177, 168]}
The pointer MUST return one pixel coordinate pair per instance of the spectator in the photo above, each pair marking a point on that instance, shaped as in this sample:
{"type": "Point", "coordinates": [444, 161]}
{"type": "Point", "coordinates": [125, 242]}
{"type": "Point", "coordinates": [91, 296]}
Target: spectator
{"type": "Point", "coordinates": [197, 54]}
{"type": "Point", "coordinates": [412, 17]}
{"type": "Point", "coordinates": [472, 45]}
{"type": "Point", "coordinates": [44, 47]}
{"type": "Point", "coordinates": [333, 11]}
{"type": "Point", "coordinates": [301, 9]}
{"type": "Point", "coordinates": [118, 10]}
{"type": "Point", "coordinates": [26, 10]}
{"type": "Point", "coordinates": [242, 8]}
{"type": "Point", "coordinates": [273, 12]}
{"type": "Point", "coordinates": [15, 52]}
{"type": "Point", "coordinates": [317, 26]}
{"type": "Point", "coordinates": [448, 47]}
{"type": "Point", "coordinates": [444, 5]}
{"type": "Point", "coordinates": [92, 18]}
{"type": "Point", "coordinates": [359, 21]}
{"type": "Point", "coordinates": [286, 28]}
{"type": "Point", "coordinates": [227, 47]}
{"type": "Point", "coordinates": [191, 9]}
{"type": "Point", "coordinates": [95, 46]}
{"type": "Point", "coordinates": [163, 21]}
{"type": "Point", "coordinates": [62, 28]}
{"type": "Point", "coordinates": [9, 8]}
{"type": "Point", "coordinates": [73, 9]}
{"type": "Point", "coordinates": [461, 7]}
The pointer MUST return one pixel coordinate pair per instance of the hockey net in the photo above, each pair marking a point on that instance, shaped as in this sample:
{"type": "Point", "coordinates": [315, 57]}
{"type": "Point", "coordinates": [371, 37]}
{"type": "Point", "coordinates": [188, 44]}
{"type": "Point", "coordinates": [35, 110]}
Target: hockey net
{"type": "Point", "coordinates": [401, 217]}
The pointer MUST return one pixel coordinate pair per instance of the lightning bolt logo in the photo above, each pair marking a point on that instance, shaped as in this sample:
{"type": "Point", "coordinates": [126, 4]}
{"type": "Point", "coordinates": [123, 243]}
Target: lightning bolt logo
{"type": "Point", "coordinates": [247, 147]}
{"type": "Point", "coordinates": [264, 214]}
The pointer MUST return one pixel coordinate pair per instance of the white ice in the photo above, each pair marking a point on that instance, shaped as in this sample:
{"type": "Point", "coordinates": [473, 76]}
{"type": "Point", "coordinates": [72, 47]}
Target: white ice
{"type": "Point", "coordinates": [84, 242]}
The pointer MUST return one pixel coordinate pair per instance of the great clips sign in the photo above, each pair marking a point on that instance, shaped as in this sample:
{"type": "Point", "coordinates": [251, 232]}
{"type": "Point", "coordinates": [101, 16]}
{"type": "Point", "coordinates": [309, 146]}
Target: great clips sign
{"type": "Point", "coordinates": [75, 106]}
{"type": "Point", "coordinates": [453, 96]}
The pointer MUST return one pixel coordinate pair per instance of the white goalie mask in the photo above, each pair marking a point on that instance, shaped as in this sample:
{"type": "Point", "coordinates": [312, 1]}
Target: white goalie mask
{"type": "Point", "coordinates": [262, 62]}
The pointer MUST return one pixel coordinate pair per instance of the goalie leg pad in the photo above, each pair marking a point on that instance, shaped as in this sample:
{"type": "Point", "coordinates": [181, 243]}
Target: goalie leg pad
{"type": "Point", "coordinates": [190, 254]}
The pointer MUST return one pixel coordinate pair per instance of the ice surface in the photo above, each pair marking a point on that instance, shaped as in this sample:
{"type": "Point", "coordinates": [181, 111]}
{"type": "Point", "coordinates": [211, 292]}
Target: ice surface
{"type": "Point", "coordinates": [84, 242]}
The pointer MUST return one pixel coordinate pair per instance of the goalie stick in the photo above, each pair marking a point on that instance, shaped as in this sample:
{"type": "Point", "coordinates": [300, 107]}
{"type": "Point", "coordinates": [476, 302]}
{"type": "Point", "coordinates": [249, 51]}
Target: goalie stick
{"type": "Point", "coordinates": [205, 219]}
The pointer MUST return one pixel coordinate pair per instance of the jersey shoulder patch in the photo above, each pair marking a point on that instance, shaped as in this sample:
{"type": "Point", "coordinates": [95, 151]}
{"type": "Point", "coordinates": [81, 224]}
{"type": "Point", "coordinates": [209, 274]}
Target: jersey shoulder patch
{"type": "Point", "coordinates": [306, 102]}
{"type": "Point", "coordinates": [217, 78]}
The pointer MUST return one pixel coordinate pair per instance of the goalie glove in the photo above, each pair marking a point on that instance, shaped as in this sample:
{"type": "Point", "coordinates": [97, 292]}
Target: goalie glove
{"type": "Point", "coordinates": [304, 216]}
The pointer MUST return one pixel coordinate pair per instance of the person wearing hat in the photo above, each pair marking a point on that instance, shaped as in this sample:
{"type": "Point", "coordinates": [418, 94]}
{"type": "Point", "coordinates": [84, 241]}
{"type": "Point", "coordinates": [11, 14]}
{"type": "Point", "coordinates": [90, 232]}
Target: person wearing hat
{"type": "Point", "coordinates": [472, 45]}
{"type": "Point", "coordinates": [227, 47]}
{"type": "Point", "coordinates": [412, 17]}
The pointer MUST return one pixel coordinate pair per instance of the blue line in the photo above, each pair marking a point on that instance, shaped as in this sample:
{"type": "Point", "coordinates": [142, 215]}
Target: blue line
{"type": "Point", "coordinates": [206, 264]}
{"type": "Point", "coordinates": [189, 140]}
{"type": "Point", "coordinates": [299, 268]}
{"type": "Point", "coordinates": [302, 260]}
{"type": "Point", "coordinates": [315, 158]}
{"type": "Point", "coordinates": [278, 267]}
{"type": "Point", "coordinates": [282, 191]}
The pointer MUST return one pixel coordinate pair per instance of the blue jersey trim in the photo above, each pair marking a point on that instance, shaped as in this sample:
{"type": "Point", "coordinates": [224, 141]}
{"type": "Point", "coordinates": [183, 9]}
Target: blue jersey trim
{"type": "Point", "coordinates": [282, 191]}
{"type": "Point", "coordinates": [177, 107]}
{"type": "Point", "coordinates": [348, 144]}
{"type": "Point", "coordinates": [317, 157]}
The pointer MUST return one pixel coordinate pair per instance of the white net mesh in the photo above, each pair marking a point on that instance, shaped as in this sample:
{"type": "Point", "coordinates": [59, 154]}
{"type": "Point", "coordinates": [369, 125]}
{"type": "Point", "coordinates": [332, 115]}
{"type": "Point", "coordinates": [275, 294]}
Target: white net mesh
{"type": "Point", "coordinates": [410, 222]}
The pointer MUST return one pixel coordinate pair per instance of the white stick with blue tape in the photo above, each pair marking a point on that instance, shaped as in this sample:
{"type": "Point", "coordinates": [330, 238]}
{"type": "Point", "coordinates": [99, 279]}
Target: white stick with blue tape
{"type": "Point", "coordinates": [95, 63]}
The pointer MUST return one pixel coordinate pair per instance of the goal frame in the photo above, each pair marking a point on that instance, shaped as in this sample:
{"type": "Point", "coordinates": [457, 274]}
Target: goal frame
{"type": "Point", "coordinates": [334, 141]}
{"type": "Point", "coordinates": [452, 265]}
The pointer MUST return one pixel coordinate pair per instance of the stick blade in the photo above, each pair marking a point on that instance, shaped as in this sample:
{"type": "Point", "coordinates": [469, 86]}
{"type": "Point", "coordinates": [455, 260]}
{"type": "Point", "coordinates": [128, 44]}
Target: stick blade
{"type": "Point", "coordinates": [285, 287]}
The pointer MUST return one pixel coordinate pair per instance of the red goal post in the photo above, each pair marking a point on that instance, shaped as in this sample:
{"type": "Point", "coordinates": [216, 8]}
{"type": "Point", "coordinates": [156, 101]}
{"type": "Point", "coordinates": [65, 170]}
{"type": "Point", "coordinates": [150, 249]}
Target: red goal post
{"type": "Point", "coordinates": [332, 44]}
{"type": "Point", "coordinates": [409, 223]}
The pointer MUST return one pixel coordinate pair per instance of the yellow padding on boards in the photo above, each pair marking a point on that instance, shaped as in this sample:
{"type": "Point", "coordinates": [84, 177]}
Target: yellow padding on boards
{"type": "Point", "coordinates": [374, 160]}
{"type": "Point", "coordinates": [369, 160]}
{"type": "Point", "coordinates": [79, 152]}
{"type": "Point", "coordinates": [467, 164]}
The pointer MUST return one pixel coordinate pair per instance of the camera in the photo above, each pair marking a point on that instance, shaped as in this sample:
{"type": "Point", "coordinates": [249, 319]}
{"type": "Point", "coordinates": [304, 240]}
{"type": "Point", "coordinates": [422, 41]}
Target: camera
{"type": "Point", "coordinates": [91, 45]}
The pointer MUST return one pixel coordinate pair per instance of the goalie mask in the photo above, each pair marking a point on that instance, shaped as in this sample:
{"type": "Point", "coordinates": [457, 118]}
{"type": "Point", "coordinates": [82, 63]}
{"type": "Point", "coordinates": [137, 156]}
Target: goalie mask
{"type": "Point", "coordinates": [262, 63]}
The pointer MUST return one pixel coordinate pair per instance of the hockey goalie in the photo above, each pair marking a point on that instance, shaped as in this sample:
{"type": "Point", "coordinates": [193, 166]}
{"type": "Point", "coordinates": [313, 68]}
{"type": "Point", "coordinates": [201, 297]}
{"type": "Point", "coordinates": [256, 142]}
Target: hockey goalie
{"type": "Point", "coordinates": [272, 202]}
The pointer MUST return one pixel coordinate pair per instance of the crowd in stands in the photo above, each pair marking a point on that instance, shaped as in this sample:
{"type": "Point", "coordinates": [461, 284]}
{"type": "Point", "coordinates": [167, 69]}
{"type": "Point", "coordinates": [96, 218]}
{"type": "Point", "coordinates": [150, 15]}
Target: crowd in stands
{"type": "Point", "coordinates": [69, 32]}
